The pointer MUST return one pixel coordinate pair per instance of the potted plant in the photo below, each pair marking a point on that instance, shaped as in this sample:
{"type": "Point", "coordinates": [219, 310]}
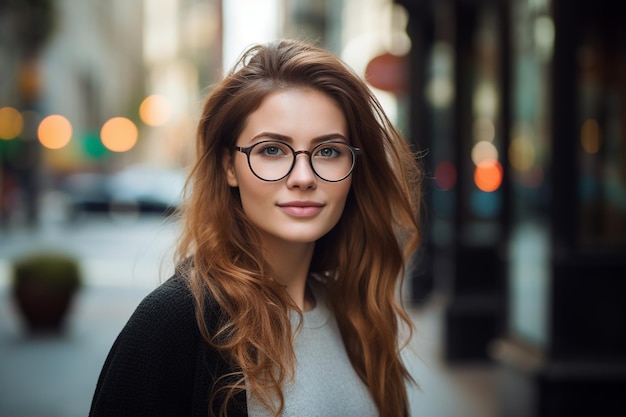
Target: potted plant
{"type": "Point", "coordinates": [44, 285]}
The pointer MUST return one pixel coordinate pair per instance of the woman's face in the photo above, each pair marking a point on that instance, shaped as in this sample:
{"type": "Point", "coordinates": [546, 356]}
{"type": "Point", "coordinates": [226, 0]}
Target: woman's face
{"type": "Point", "coordinates": [301, 207]}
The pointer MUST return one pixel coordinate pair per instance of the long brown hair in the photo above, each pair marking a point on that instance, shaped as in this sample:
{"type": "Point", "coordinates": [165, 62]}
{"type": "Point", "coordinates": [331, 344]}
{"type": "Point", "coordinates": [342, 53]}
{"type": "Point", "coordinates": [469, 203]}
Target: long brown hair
{"type": "Point", "coordinates": [364, 254]}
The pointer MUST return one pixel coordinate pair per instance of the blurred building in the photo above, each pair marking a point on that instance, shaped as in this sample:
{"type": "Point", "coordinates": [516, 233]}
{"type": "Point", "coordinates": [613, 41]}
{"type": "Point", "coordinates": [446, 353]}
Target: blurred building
{"type": "Point", "coordinates": [521, 105]}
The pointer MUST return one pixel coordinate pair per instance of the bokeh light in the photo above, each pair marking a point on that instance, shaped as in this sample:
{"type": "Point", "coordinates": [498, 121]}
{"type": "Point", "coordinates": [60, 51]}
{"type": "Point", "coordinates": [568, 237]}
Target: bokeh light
{"type": "Point", "coordinates": [119, 134]}
{"type": "Point", "coordinates": [521, 153]}
{"type": "Point", "coordinates": [484, 151]}
{"type": "Point", "coordinates": [485, 204]}
{"type": "Point", "coordinates": [93, 147]}
{"type": "Point", "coordinates": [440, 88]}
{"type": "Point", "coordinates": [445, 175]}
{"type": "Point", "coordinates": [591, 136]}
{"type": "Point", "coordinates": [54, 131]}
{"type": "Point", "coordinates": [11, 123]}
{"type": "Point", "coordinates": [155, 110]}
{"type": "Point", "coordinates": [488, 175]}
{"type": "Point", "coordinates": [544, 33]}
{"type": "Point", "coordinates": [440, 92]}
{"type": "Point", "coordinates": [485, 101]}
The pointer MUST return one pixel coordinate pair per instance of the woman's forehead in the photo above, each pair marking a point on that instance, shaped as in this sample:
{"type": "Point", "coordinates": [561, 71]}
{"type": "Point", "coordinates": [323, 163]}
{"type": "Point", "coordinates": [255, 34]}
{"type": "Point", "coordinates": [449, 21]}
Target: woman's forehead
{"type": "Point", "coordinates": [295, 115]}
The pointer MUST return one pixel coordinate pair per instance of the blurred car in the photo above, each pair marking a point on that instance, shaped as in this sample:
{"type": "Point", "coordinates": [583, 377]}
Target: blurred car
{"type": "Point", "coordinates": [151, 189]}
{"type": "Point", "coordinates": [143, 189]}
{"type": "Point", "coordinates": [86, 192]}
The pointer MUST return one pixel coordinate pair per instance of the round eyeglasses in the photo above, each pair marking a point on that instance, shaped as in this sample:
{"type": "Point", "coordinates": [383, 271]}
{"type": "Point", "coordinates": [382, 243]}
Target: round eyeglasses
{"type": "Point", "coordinates": [271, 160]}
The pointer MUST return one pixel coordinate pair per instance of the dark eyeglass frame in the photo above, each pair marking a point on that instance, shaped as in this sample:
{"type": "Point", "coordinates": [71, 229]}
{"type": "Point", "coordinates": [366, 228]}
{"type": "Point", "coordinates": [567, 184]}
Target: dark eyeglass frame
{"type": "Point", "coordinates": [248, 149]}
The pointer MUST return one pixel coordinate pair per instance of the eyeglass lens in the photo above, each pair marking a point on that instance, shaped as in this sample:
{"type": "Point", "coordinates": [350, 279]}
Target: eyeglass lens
{"type": "Point", "coordinates": [272, 161]}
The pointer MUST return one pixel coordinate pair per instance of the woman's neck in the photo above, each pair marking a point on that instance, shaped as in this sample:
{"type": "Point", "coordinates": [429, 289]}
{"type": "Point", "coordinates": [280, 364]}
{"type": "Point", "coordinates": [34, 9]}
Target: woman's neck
{"type": "Point", "coordinates": [290, 263]}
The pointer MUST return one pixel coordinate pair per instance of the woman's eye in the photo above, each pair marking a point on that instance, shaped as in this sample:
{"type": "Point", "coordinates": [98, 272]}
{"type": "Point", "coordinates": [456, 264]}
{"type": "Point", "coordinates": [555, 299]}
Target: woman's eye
{"type": "Point", "coordinates": [328, 152]}
{"type": "Point", "coordinates": [272, 150]}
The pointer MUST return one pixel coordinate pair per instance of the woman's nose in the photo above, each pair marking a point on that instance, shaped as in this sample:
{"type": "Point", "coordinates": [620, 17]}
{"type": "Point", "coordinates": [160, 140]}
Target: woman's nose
{"type": "Point", "coordinates": [302, 174]}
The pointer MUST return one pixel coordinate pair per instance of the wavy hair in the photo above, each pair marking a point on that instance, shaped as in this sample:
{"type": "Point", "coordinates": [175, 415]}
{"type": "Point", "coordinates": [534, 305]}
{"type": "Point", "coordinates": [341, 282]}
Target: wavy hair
{"type": "Point", "coordinates": [364, 254]}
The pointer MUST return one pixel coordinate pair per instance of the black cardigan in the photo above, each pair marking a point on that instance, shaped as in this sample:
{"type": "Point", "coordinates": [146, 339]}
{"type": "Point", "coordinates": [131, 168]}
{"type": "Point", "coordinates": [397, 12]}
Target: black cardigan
{"type": "Point", "coordinates": [159, 364]}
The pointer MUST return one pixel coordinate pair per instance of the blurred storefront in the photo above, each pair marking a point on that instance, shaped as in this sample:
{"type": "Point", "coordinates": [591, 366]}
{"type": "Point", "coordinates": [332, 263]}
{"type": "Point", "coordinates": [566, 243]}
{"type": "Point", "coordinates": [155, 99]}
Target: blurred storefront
{"type": "Point", "coordinates": [521, 105]}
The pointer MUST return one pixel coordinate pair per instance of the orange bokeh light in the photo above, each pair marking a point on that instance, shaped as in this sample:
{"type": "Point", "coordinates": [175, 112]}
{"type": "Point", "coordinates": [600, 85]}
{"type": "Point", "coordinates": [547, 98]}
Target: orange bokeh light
{"type": "Point", "coordinates": [11, 123]}
{"type": "Point", "coordinates": [155, 110]}
{"type": "Point", "coordinates": [54, 132]}
{"type": "Point", "coordinates": [488, 175]}
{"type": "Point", "coordinates": [119, 134]}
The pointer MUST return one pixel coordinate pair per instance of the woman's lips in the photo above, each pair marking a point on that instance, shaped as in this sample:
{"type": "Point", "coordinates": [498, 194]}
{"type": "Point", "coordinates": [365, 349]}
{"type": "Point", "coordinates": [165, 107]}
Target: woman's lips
{"type": "Point", "coordinates": [301, 208]}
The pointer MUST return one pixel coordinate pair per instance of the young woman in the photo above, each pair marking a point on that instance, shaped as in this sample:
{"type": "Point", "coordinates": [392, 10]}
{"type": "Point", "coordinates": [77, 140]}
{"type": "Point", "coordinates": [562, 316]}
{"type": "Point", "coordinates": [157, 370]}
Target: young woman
{"type": "Point", "coordinates": [301, 211]}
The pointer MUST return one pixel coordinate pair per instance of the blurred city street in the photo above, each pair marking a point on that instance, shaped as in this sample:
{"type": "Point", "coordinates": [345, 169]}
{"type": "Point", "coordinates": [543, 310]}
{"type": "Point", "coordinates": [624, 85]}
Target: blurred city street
{"type": "Point", "coordinates": [524, 187]}
{"type": "Point", "coordinates": [122, 260]}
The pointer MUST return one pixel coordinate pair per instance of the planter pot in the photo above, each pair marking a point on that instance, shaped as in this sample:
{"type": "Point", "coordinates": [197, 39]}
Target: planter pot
{"type": "Point", "coordinates": [43, 308]}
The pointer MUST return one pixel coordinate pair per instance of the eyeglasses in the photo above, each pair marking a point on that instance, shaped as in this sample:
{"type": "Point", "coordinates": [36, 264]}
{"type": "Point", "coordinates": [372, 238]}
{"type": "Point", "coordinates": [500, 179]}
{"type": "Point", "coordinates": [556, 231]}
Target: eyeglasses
{"type": "Point", "coordinates": [271, 160]}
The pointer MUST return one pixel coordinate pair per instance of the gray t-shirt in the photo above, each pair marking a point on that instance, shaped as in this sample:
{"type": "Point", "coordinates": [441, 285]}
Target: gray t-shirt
{"type": "Point", "coordinates": [325, 384]}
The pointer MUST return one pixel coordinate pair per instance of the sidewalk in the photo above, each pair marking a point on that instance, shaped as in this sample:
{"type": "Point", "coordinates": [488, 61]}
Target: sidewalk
{"type": "Point", "coordinates": [55, 376]}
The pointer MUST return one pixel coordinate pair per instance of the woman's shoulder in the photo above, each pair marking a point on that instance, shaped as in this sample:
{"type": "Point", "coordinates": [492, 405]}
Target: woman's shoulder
{"type": "Point", "coordinates": [171, 298]}
{"type": "Point", "coordinates": [174, 293]}
{"type": "Point", "coordinates": [167, 310]}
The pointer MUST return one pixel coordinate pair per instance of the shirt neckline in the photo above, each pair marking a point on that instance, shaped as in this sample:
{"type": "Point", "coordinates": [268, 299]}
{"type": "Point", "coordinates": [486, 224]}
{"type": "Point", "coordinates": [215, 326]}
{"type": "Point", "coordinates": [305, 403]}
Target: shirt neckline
{"type": "Point", "coordinates": [318, 316]}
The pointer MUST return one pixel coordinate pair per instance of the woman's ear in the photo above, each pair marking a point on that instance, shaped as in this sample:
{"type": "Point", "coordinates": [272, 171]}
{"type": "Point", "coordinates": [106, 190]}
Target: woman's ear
{"type": "Point", "coordinates": [229, 168]}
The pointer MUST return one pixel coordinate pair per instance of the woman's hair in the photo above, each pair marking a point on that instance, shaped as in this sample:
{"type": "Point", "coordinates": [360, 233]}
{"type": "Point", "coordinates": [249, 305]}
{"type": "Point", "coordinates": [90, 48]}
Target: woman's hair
{"type": "Point", "coordinates": [364, 254]}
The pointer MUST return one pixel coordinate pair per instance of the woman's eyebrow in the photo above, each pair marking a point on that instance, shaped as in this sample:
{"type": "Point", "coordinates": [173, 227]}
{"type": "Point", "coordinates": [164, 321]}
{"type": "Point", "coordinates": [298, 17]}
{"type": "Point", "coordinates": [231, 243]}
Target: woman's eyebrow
{"type": "Point", "coordinates": [275, 136]}
{"type": "Point", "coordinates": [330, 136]}
{"type": "Point", "coordinates": [288, 139]}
